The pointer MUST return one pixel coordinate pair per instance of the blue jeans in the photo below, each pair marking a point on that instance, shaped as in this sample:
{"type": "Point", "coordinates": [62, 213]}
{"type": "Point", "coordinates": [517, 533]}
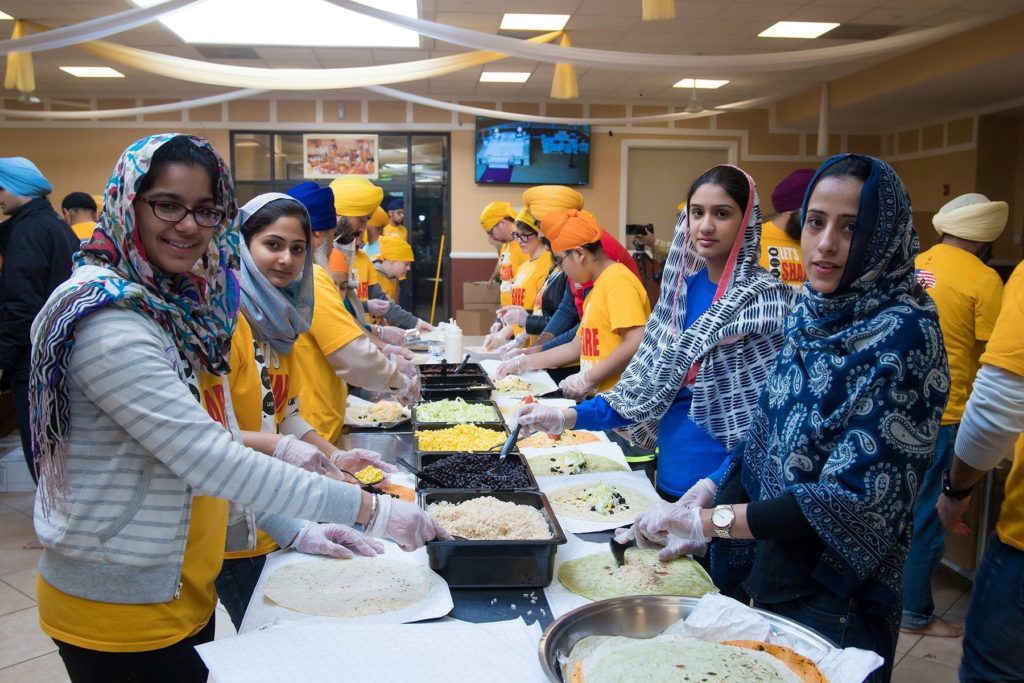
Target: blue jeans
{"type": "Point", "coordinates": [236, 583]}
{"type": "Point", "coordinates": [929, 539]}
{"type": "Point", "coordinates": [995, 620]}
{"type": "Point", "coordinates": [846, 624]}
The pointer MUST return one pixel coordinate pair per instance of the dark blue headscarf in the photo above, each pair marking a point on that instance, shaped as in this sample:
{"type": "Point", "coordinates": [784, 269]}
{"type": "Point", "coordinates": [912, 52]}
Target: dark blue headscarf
{"type": "Point", "coordinates": [848, 417]}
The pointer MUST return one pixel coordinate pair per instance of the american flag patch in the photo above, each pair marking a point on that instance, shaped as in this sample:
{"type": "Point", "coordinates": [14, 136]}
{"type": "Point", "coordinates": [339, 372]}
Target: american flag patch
{"type": "Point", "coordinates": [925, 278]}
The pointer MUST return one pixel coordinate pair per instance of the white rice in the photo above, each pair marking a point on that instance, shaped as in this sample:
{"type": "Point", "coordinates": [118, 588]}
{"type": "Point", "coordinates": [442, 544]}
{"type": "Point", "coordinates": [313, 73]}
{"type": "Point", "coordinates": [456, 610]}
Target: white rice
{"type": "Point", "coordinates": [488, 518]}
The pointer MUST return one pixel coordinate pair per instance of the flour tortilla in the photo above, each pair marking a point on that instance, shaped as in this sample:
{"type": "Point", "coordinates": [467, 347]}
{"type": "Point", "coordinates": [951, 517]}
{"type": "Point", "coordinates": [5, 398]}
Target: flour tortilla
{"type": "Point", "coordinates": [563, 503]}
{"type": "Point", "coordinates": [348, 588]}
{"type": "Point", "coordinates": [570, 437]}
{"type": "Point", "coordinates": [554, 465]}
{"type": "Point", "coordinates": [597, 577]}
{"type": "Point", "coordinates": [669, 658]}
{"type": "Point", "coordinates": [802, 666]}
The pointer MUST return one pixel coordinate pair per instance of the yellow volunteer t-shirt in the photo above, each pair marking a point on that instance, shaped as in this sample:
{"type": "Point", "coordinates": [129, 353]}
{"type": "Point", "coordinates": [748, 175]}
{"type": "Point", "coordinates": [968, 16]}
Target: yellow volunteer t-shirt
{"type": "Point", "coordinates": [115, 627]}
{"type": "Point", "coordinates": [1010, 526]}
{"type": "Point", "coordinates": [968, 295]}
{"type": "Point", "coordinates": [396, 231]}
{"type": "Point", "coordinates": [389, 285]}
{"type": "Point", "coordinates": [528, 281]}
{"type": "Point", "coordinates": [617, 302]}
{"type": "Point", "coordinates": [780, 255]}
{"type": "Point", "coordinates": [510, 257]}
{"type": "Point", "coordinates": [332, 327]}
{"type": "Point", "coordinates": [83, 230]}
{"type": "Point", "coordinates": [365, 275]}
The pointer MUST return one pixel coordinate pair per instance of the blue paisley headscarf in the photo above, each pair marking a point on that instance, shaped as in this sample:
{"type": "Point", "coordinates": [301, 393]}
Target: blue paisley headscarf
{"type": "Point", "coordinates": [197, 309]}
{"type": "Point", "coordinates": [849, 415]}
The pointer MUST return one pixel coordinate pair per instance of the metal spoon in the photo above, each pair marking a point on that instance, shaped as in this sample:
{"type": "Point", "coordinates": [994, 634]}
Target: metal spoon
{"type": "Point", "coordinates": [505, 449]}
{"type": "Point", "coordinates": [421, 475]}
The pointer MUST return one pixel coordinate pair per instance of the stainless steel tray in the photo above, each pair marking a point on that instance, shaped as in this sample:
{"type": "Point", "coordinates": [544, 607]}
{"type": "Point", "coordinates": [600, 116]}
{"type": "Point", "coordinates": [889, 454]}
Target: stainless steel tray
{"type": "Point", "coordinates": [644, 616]}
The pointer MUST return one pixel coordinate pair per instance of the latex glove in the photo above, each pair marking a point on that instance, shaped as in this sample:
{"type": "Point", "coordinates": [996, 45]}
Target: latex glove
{"type": "Point", "coordinates": [405, 367]}
{"type": "Point", "coordinates": [517, 343]}
{"type": "Point", "coordinates": [700, 495]}
{"type": "Point", "coordinates": [335, 540]}
{"type": "Point", "coordinates": [496, 327]}
{"type": "Point", "coordinates": [675, 547]}
{"type": "Point", "coordinates": [358, 458]}
{"type": "Point", "coordinates": [392, 335]}
{"type": "Point", "coordinates": [406, 523]}
{"type": "Point", "coordinates": [534, 417]}
{"type": "Point", "coordinates": [652, 528]}
{"type": "Point", "coordinates": [513, 315]}
{"type": "Point", "coordinates": [513, 366]}
{"type": "Point", "coordinates": [424, 326]}
{"type": "Point", "coordinates": [307, 456]}
{"type": "Point", "coordinates": [410, 392]}
{"type": "Point", "coordinates": [378, 307]}
{"type": "Point", "coordinates": [513, 353]}
{"type": "Point", "coordinates": [577, 387]}
{"type": "Point", "coordinates": [495, 339]}
{"type": "Point", "coordinates": [392, 350]}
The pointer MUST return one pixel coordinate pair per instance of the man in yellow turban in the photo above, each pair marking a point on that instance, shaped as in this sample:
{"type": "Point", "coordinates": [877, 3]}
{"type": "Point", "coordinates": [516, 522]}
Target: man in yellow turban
{"type": "Point", "coordinates": [614, 314]}
{"type": "Point", "coordinates": [498, 221]}
{"type": "Point", "coordinates": [968, 295]}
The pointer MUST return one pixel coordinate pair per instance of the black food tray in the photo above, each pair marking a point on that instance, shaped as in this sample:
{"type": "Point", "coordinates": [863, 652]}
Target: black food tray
{"type": "Point", "coordinates": [496, 564]}
{"type": "Point", "coordinates": [437, 370]}
{"type": "Point", "coordinates": [467, 387]}
{"type": "Point", "coordinates": [497, 423]}
{"type": "Point", "coordinates": [515, 459]}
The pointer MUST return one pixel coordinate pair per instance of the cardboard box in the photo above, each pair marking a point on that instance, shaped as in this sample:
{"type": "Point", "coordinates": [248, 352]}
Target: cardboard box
{"type": "Point", "coordinates": [474, 323]}
{"type": "Point", "coordinates": [479, 293]}
{"type": "Point", "coordinates": [490, 308]}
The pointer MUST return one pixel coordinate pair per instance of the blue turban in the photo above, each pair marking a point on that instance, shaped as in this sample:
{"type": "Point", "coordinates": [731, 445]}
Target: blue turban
{"type": "Point", "coordinates": [20, 176]}
{"type": "Point", "coordinates": [396, 204]}
{"type": "Point", "coordinates": [319, 202]}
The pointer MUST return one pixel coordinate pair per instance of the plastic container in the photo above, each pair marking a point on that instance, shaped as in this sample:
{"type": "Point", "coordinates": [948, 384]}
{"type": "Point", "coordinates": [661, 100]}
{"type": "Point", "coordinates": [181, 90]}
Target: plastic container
{"type": "Point", "coordinates": [453, 344]}
{"type": "Point", "coordinates": [494, 422]}
{"type": "Point", "coordinates": [428, 458]}
{"type": "Point", "coordinates": [455, 386]}
{"type": "Point", "coordinates": [498, 427]}
{"type": "Point", "coordinates": [496, 564]}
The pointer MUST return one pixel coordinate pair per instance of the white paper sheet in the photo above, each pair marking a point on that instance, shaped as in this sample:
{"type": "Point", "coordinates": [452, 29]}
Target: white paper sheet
{"type": "Point", "coordinates": [261, 612]}
{"type": "Point", "coordinates": [354, 403]}
{"type": "Point", "coordinates": [634, 480]}
{"type": "Point", "coordinates": [607, 449]}
{"type": "Point", "coordinates": [539, 379]}
{"type": "Point", "coordinates": [560, 598]}
{"type": "Point", "coordinates": [449, 651]}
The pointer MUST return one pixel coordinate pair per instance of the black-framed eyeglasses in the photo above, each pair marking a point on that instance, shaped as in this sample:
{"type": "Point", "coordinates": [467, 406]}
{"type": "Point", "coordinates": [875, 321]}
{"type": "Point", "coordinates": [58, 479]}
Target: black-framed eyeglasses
{"type": "Point", "coordinates": [173, 212]}
{"type": "Point", "coordinates": [523, 236]}
{"type": "Point", "coordinates": [559, 259]}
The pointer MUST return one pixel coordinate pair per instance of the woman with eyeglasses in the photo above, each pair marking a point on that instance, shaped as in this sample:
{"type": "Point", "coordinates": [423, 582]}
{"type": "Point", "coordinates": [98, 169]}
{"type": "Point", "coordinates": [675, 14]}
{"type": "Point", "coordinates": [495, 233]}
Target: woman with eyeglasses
{"type": "Point", "coordinates": [136, 443]}
{"type": "Point", "coordinates": [614, 313]}
{"type": "Point", "coordinates": [526, 285]}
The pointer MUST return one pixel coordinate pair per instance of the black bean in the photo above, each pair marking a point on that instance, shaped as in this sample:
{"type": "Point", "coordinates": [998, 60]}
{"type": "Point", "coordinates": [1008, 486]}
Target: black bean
{"type": "Point", "coordinates": [471, 470]}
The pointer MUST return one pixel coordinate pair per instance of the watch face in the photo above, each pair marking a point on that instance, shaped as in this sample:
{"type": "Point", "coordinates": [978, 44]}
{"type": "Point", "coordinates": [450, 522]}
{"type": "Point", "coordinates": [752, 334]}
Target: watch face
{"type": "Point", "coordinates": [722, 517]}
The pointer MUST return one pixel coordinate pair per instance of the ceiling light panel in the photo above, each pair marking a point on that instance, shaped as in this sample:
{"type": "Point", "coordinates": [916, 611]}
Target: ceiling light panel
{"type": "Point", "coordinates": [797, 29]}
{"type": "Point", "coordinates": [4, 16]}
{"type": "Point", "coordinates": [92, 71]}
{"type": "Point", "coordinates": [504, 76]}
{"type": "Point", "coordinates": [702, 84]}
{"type": "Point", "coordinates": [305, 23]}
{"type": "Point", "coordinates": [534, 22]}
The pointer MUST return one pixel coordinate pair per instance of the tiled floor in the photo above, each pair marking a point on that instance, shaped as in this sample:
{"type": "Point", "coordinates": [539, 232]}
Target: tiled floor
{"type": "Point", "coordinates": [28, 655]}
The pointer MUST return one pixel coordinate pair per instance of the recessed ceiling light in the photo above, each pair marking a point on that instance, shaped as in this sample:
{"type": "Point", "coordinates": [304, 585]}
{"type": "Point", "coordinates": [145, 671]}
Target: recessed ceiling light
{"type": "Point", "coordinates": [4, 16]}
{"type": "Point", "coordinates": [92, 71]}
{"type": "Point", "coordinates": [300, 23]}
{"type": "Point", "coordinates": [702, 84]}
{"type": "Point", "coordinates": [797, 29]}
{"type": "Point", "coordinates": [504, 76]}
{"type": "Point", "coordinates": [534, 22]}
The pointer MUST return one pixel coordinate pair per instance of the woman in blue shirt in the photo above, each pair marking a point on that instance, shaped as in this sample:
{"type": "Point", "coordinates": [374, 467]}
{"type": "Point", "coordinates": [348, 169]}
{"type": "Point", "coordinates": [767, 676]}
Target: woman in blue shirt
{"type": "Point", "coordinates": [708, 346]}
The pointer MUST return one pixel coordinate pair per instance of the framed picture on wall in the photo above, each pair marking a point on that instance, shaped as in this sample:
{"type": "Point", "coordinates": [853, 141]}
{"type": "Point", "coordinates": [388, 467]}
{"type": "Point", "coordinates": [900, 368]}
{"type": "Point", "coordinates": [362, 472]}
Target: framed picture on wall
{"type": "Point", "coordinates": [329, 155]}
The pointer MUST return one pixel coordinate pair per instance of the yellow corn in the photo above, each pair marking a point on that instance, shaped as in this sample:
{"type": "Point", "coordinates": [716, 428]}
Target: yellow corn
{"type": "Point", "coordinates": [459, 438]}
{"type": "Point", "coordinates": [369, 475]}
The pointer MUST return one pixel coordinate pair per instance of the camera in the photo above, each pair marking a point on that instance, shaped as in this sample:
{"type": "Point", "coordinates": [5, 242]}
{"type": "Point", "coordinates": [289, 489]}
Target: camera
{"type": "Point", "coordinates": [639, 229]}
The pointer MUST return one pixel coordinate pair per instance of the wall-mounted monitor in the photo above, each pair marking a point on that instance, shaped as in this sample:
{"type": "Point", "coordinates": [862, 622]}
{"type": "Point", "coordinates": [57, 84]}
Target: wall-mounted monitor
{"type": "Point", "coordinates": [523, 153]}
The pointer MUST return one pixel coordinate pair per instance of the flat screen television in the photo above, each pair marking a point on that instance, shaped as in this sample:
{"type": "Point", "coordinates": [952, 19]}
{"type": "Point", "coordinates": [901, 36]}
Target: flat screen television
{"type": "Point", "coordinates": [523, 153]}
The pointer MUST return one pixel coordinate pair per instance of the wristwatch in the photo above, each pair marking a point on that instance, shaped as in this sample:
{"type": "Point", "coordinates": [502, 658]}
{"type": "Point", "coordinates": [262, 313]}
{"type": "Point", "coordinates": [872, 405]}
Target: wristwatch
{"type": "Point", "coordinates": [722, 518]}
{"type": "Point", "coordinates": [948, 490]}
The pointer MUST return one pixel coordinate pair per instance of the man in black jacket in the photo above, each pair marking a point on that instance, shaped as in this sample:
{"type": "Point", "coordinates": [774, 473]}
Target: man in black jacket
{"type": "Point", "coordinates": [36, 247]}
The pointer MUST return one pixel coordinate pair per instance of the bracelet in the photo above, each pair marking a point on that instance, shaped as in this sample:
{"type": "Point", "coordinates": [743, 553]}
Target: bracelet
{"type": "Point", "coordinates": [373, 512]}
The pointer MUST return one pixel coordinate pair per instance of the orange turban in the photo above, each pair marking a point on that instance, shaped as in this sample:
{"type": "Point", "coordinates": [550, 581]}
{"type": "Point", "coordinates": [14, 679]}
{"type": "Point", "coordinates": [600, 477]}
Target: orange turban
{"type": "Point", "coordinates": [526, 218]}
{"type": "Point", "coordinates": [544, 199]}
{"type": "Point", "coordinates": [494, 212]}
{"type": "Point", "coordinates": [379, 218]}
{"type": "Point", "coordinates": [570, 229]}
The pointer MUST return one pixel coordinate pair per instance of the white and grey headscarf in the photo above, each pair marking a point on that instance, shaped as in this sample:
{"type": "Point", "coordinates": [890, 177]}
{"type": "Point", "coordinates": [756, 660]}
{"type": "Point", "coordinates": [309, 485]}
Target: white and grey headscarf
{"type": "Point", "coordinates": [725, 355]}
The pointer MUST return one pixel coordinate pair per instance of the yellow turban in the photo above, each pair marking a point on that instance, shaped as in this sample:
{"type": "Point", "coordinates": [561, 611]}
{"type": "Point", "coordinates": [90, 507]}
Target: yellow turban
{"type": "Point", "coordinates": [379, 218]}
{"type": "Point", "coordinates": [494, 212]}
{"type": "Point", "coordinates": [972, 217]}
{"type": "Point", "coordinates": [680, 206]}
{"type": "Point", "coordinates": [525, 217]}
{"type": "Point", "coordinates": [395, 249]}
{"type": "Point", "coordinates": [544, 199]}
{"type": "Point", "coordinates": [355, 196]}
{"type": "Point", "coordinates": [570, 229]}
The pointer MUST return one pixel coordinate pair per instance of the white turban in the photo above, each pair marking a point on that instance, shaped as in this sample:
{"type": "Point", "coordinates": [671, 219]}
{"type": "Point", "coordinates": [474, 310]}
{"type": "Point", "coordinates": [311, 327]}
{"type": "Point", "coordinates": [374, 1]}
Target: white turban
{"type": "Point", "coordinates": [972, 217]}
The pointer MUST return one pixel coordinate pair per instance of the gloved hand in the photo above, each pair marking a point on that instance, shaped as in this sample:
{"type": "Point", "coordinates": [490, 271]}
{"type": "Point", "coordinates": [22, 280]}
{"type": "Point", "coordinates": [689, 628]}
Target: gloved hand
{"type": "Point", "coordinates": [407, 525]}
{"type": "Point", "coordinates": [534, 417]}
{"type": "Point", "coordinates": [654, 526]}
{"type": "Point", "coordinates": [410, 391]}
{"type": "Point", "coordinates": [513, 315]}
{"type": "Point", "coordinates": [700, 495]}
{"type": "Point", "coordinates": [517, 343]}
{"type": "Point", "coordinates": [392, 335]}
{"type": "Point", "coordinates": [496, 327]}
{"type": "Point", "coordinates": [577, 387]}
{"type": "Point", "coordinates": [513, 366]}
{"type": "Point", "coordinates": [424, 326]}
{"type": "Point", "coordinates": [513, 353]}
{"type": "Point", "coordinates": [675, 547]}
{"type": "Point", "coordinates": [378, 307]}
{"type": "Point", "coordinates": [392, 350]}
{"type": "Point", "coordinates": [405, 367]}
{"type": "Point", "coordinates": [335, 540]}
{"type": "Point", "coordinates": [358, 458]}
{"type": "Point", "coordinates": [305, 455]}
{"type": "Point", "coordinates": [495, 339]}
